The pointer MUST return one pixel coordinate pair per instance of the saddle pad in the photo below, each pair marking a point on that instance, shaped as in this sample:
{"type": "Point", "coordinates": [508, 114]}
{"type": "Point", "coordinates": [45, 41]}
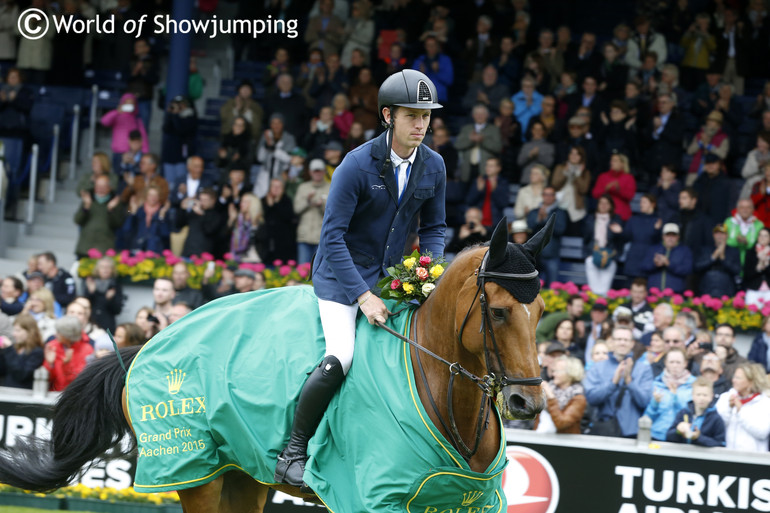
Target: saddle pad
{"type": "Point", "coordinates": [217, 390]}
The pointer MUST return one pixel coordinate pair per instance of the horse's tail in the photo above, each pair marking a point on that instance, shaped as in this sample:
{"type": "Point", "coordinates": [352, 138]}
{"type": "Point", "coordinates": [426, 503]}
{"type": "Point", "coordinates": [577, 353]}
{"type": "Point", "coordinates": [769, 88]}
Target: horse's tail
{"type": "Point", "coordinates": [88, 421]}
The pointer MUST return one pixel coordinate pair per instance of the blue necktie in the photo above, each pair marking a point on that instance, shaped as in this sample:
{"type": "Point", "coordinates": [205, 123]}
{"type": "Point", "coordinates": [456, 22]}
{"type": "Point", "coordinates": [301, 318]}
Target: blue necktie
{"type": "Point", "coordinates": [402, 176]}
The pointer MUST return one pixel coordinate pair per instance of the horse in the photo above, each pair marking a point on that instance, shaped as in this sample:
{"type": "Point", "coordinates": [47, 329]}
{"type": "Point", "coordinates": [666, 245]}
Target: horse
{"type": "Point", "coordinates": [470, 345]}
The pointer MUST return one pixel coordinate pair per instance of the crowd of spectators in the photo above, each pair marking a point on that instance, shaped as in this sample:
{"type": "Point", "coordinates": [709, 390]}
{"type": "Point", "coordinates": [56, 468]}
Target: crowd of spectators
{"type": "Point", "coordinates": [648, 139]}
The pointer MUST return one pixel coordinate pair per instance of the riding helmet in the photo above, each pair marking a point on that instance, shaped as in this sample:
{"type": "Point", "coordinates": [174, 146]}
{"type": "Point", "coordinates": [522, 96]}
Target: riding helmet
{"type": "Point", "coordinates": [407, 88]}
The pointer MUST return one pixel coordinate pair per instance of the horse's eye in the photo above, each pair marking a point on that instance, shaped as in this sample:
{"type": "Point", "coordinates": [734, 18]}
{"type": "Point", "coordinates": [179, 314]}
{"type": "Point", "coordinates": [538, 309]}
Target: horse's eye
{"type": "Point", "coordinates": [498, 313]}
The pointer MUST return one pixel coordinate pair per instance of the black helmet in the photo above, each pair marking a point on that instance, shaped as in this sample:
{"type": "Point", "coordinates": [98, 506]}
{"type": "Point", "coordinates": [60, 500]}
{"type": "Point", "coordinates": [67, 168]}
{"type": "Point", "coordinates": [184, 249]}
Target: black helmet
{"type": "Point", "coordinates": [407, 88]}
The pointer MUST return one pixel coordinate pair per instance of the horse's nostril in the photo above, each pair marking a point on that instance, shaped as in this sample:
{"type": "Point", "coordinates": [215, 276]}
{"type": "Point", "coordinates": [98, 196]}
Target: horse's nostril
{"type": "Point", "coordinates": [517, 402]}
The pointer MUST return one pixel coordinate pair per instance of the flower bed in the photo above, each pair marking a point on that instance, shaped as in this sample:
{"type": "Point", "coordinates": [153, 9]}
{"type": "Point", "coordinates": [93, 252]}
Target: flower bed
{"type": "Point", "coordinates": [732, 311]}
{"type": "Point", "coordinates": [145, 266]}
{"type": "Point", "coordinates": [83, 498]}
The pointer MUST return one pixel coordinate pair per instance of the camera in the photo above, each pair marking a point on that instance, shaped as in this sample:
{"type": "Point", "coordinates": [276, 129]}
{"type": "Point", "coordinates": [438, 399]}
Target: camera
{"type": "Point", "coordinates": [472, 225]}
{"type": "Point", "coordinates": [708, 346]}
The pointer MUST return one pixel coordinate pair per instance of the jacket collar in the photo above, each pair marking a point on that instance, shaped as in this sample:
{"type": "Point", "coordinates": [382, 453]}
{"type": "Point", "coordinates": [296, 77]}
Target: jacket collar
{"type": "Point", "coordinates": [379, 151]}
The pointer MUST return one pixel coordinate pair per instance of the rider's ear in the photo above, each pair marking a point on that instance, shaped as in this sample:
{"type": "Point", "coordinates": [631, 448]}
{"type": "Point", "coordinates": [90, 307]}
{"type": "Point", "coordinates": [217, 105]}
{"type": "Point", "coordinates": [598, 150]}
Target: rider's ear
{"type": "Point", "coordinates": [498, 244]}
{"type": "Point", "coordinates": [541, 239]}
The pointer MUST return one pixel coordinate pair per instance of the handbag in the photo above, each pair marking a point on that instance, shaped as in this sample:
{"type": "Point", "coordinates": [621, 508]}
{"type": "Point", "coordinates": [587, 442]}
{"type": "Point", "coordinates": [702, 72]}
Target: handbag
{"type": "Point", "coordinates": [611, 426]}
{"type": "Point", "coordinates": [603, 257]}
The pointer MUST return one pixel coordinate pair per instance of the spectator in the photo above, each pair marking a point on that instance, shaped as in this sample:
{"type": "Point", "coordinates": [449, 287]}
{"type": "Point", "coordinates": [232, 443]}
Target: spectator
{"type": "Point", "coordinates": [363, 101]}
{"type": "Point", "coordinates": [706, 95]}
{"type": "Point", "coordinates": [123, 120]}
{"type": "Point", "coordinates": [58, 281]}
{"type": "Point", "coordinates": [546, 329]}
{"type": "Point", "coordinates": [756, 269]}
{"type": "Point", "coordinates": [322, 132]}
{"type": "Point", "coordinates": [566, 336]}
{"type": "Point", "coordinates": [549, 258]}
{"type": "Point", "coordinates": [104, 293]}
{"type": "Point", "coordinates": [178, 310]}
{"type": "Point", "coordinates": [40, 305]}
{"type": "Point", "coordinates": [617, 388]}
{"type": "Point", "coordinates": [343, 116]}
{"type": "Point", "coordinates": [731, 110]}
{"type": "Point", "coordinates": [643, 41]}
{"type": "Point", "coordinates": [530, 196]}
{"type": "Point", "coordinates": [619, 184]}
{"type": "Point", "coordinates": [584, 59]}
{"type": "Point", "coordinates": [725, 338]}
{"type": "Point", "coordinates": [243, 106]}
{"type": "Point", "coordinates": [289, 104]}
{"type": "Point", "coordinates": [601, 242]}
{"type": "Point", "coordinates": [642, 231]}
{"type": "Point", "coordinates": [150, 226]}
{"type": "Point", "coordinates": [274, 152]}
{"type": "Point", "coordinates": [672, 390]}
{"type": "Point", "coordinates": [490, 193]}
{"type": "Point", "coordinates": [149, 323]}
{"type": "Point", "coordinates": [100, 166]}
{"type": "Point", "coordinates": [309, 207]}
{"type": "Point", "coordinates": [755, 161]}
{"type": "Point", "coordinates": [648, 75]}
{"type": "Point", "coordinates": [519, 231]}
{"type": "Point", "coordinates": [326, 81]}
{"type": "Point", "coordinates": [180, 126]}
{"type": "Point", "coordinates": [711, 369]}
{"type": "Point", "coordinates": [136, 187]}
{"type": "Point", "coordinates": [719, 265]}
{"type": "Point", "coordinates": [667, 191]}
{"type": "Point", "coordinates": [506, 63]}
{"type": "Point", "coordinates": [668, 264]}
{"type": "Point", "coordinates": [599, 353]}
{"type": "Point", "coordinates": [640, 309]}
{"type": "Point", "coordinates": [699, 46]}
{"type": "Point", "coordinates": [143, 75]}
{"type": "Point", "coordinates": [442, 144]}
{"type": "Point", "coordinates": [205, 222]}
{"type": "Point", "coordinates": [10, 293]}
{"type": "Point", "coordinates": [470, 233]}
{"type": "Point", "coordinates": [656, 351]}
{"type": "Point", "coordinates": [130, 159]}
{"type": "Point", "coordinates": [437, 66]}
{"type": "Point", "coordinates": [732, 52]}
{"type": "Point", "coordinates": [281, 63]}
{"type": "Point", "coordinates": [194, 181]}
{"type": "Point", "coordinates": [9, 14]}
{"type": "Point", "coordinates": [760, 346]}
{"type": "Point", "coordinates": [477, 142]}
{"type": "Point", "coordinates": [100, 215]}
{"type": "Point", "coordinates": [234, 188]}
{"type": "Point", "coordinates": [180, 276]}
{"type": "Point", "coordinates": [694, 226]}
{"type": "Point", "coordinates": [236, 148]}
{"type": "Point", "coordinates": [325, 31]}
{"type": "Point", "coordinates": [552, 351]}
{"type": "Point", "coordinates": [479, 49]}
{"type": "Point", "coordinates": [23, 355]}
{"type": "Point", "coordinates": [664, 135]}
{"type": "Point", "coordinates": [488, 91]}
{"type": "Point", "coordinates": [244, 222]}
{"type": "Point", "coordinates": [527, 102]}
{"type": "Point", "coordinates": [35, 56]}
{"type": "Point", "coordinates": [333, 157]}
{"type": "Point", "coordinates": [698, 423]}
{"type": "Point", "coordinates": [394, 62]}
{"type": "Point", "coordinates": [359, 32]}
{"type": "Point", "coordinates": [745, 410]}
{"type": "Point", "coordinates": [565, 397]}
{"type": "Point", "coordinates": [535, 151]}
{"type": "Point", "coordinates": [279, 224]}
{"type": "Point", "coordinates": [662, 318]}
{"type": "Point", "coordinates": [547, 118]}
{"type": "Point", "coordinates": [571, 180]}
{"type": "Point", "coordinates": [552, 57]}
{"type": "Point", "coordinates": [743, 228]}
{"type": "Point", "coordinates": [711, 186]}
{"type": "Point", "coordinates": [578, 134]}
{"type": "Point", "coordinates": [613, 73]}
{"type": "Point", "coordinates": [163, 295]}
{"type": "Point", "coordinates": [618, 132]}
{"type": "Point", "coordinates": [588, 98]}
{"type": "Point", "coordinates": [760, 196]}
{"type": "Point", "coordinates": [65, 356]}
{"type": "Point", "coordinates": [128, 334]}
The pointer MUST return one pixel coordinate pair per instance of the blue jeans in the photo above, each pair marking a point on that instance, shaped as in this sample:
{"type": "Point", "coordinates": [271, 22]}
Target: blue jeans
{"type": "Point", "coordinates": [305, 252]}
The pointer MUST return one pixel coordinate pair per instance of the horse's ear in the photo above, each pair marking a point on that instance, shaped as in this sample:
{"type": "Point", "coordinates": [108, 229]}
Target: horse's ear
{"type": "Point", "coordinates": [498, 244]}
{"type": "Point", "coordinates": [541, 239]}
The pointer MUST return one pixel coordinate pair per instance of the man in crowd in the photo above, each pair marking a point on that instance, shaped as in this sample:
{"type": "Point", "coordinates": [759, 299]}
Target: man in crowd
{"type": "Point", "coordinates": [724, 336]}
{"type": "Point", "coordinates": [662, 317]}
{"type": "Point", "coordinates": [58, 281]}
{"type": "Point", "coordinates": [599, 314]}
{"type": "Point", "coordinates": [719, 265]}
{"type": "Point", "coordinates": [743, 228]}
{"type": "Point", "coordinates": [640, 309]}
{"type": "Point", "coordinates": [163, 294]}
{"type": "Point", "coordinates": [183, 293]}
{"type": "Point", "coordinates": [547, 327]}
{"type": "Point", "coordinates": [549, 260]}
{"type": "Point", "coordinates": [711, 368]}
{"type": "Point", "coordinates": [206, 223]}
{"type": "Point", "coordinates": [668, 264]}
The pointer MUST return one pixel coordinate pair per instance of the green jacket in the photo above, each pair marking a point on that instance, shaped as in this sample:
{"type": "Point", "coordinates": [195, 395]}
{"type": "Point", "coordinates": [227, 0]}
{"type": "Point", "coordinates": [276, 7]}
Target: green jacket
{"type": "Point", "coordinates": [734, 230]}
{"type": "Point", "coordinates": [546, 329]}
{"type": "Point", "coordinates": [97, 227]}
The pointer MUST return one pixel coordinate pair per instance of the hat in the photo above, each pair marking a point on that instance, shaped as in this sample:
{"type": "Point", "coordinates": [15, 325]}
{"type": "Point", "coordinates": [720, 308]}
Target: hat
{"type": "Point", "coordinates": [519, 226]}
{"type": "Point", "coordinates": [711, 158]}
{"type": "Point", "coordinates": [317, 165]}
{"type": "Point", "coordinates": [334, 145]}
{"type": "Point", "coordinates": [577, 120]}
{"type": "Point", "coordinates": [717, 116]}
{"type": "Point", "coordinates": [248, 273]}
{"type": "Point", "coordinates": [555, 347]}
{"type": "Point", "coordinates": [721, 228]}
{"type": "Point", "coordinates": [35, 274]}
{"type": "Point", "coordinates": [622, 311]}
{"type": "Point", "coordinates": [599, 307]}
{"type": "Point", "coordinates": [299, 152]}
{"type": "Point", "coordinates": [670, 228]}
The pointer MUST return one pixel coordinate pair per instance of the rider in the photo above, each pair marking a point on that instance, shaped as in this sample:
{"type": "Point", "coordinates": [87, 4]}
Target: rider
{"type": "Point", "coordinates": [376, 193]}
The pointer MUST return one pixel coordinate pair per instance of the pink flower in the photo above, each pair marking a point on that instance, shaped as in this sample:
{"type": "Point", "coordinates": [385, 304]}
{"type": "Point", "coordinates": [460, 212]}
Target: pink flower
{"type": "Point", "coordinates": [542, 283]}
{"type": "Point", "coordinates": [651, 299]}
{"type": "Point", "coordinates": [677, 299]}
{"type": "Point", "coordinates": [600, 301]}
{"type": "Point", "coordinates": [139, 255]}
{"type": "Point", "coordinates": [655, 291]}
{"type": "Point", "coordinates": [716, 304]}
{"type": "Point", "coordinates": [94, 253]}
{"type": "Point", "coordinates": [697, 301]}
{"type": "Point", "coordinates": [585, 287]}
{"type": "Point", "coordinates": [150, 254]}
{"type": "Point", "coordinates": [167, 253]}
{"type": "Point", "coordinates": [284, 270]}
{"type": "Point", "coordinates": [302, 271]}
{"type": "Point", "coordinates": [705, 297]}
{"type": "Point", "coordinates": [688, 293]}
{"type": "Point", "coordinates": [571, 288]}
{"type": "Point", "coordinates": [668, 292]}
{"type": "Point", "coordinates": [584, 295]}
{"type": "Point", "coordinates": [725, 299]}
{"type": "Point", "coordinates": [292, 263]}
{"type": "Point", "coordinates": [258, 268]}
{"type": "Point", "coordinates": [425, 261]}
{"type": "Point", "coordinates": [422, 273]}
{"type": "Point", "coordinates": [221, 263]}
{"type": "Point", "coordinates": [739, 302]}
{"type": "Point", "coordinates": [228, 256]}
{"type": "Point", "coordinates": [395, 284]}
{"type": "Point", "coordinates": [196, 260]}
{"type": "Point", "coordinates": [612, 294]}
{"type": "Point", "coordinates": [753, 308]}
{"type": "Point", "coordinates": [277, 263]}
{"type": "Point", "coordinates": [110, 252]}
{"type": "Point", "coordinates": [624, 293]}
{"type": "Point", "coordinates": [766, 311]}
{"type": "Point", "coordinates": [170, 260]}
{"type": "Point", "coordinates": [741, 294]}
{"type": "Point", "coordinates": [207, 257]}
{"type": "Point", "coordinates": [555, 285]}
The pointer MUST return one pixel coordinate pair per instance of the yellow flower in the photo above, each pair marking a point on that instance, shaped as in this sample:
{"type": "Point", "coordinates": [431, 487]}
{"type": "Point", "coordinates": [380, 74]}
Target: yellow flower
{"type": "Point", "coordinates": [409, 262]}
{"type": "Point", "coordinates": [408, 287]}
{"type": "Point", "coordinates": [436, 271]}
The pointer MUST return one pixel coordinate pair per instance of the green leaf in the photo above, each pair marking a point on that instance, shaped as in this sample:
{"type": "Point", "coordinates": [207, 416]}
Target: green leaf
{"type": "Point", "coordinates": [391, 271]}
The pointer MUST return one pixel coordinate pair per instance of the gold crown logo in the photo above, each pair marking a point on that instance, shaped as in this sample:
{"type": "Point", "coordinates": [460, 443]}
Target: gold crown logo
{"type": "Point", "coordinates": [175, 379]}
{"type": "Point", "coordinates": [471, 497]}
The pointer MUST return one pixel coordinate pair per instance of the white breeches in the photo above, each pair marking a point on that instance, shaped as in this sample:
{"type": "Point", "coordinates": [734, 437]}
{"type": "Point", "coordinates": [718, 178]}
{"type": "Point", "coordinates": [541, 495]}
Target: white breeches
{"type": "Point", "coordinates": [339, 324]}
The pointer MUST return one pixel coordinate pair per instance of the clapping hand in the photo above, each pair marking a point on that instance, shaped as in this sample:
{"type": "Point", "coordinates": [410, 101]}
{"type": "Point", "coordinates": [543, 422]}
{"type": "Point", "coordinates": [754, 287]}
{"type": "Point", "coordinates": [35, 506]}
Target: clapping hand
{"type": "Point", "coordinates": [85, 196]}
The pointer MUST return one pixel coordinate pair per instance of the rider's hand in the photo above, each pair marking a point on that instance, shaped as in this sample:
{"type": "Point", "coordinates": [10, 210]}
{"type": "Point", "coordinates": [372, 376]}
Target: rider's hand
{"type": "Point", "coordinates": [373, 308]}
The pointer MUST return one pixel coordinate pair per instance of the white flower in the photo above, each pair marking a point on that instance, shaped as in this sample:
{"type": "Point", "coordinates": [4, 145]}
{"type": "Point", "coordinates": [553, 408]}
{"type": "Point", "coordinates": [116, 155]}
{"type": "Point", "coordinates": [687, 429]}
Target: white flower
{"type": "Point", "coordinates": [427, 288]}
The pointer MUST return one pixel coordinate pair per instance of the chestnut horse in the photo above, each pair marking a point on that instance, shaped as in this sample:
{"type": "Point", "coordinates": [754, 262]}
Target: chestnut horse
{"type": "Point", "coordinates": [482, 340]}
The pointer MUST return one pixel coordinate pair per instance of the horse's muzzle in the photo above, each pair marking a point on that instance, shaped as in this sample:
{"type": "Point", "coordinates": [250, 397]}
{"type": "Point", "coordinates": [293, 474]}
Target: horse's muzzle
{"type": "Point", "coordinates": [522, 403]}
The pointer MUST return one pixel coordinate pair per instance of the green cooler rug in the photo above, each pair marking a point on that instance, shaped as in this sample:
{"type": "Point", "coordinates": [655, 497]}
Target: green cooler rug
{"type": "Point", "coordinates": [216, 391]}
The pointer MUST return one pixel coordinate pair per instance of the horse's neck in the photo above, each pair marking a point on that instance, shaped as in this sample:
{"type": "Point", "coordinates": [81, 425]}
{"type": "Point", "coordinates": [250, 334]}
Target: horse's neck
{"type": "Point", "coordinates": [467, 398]}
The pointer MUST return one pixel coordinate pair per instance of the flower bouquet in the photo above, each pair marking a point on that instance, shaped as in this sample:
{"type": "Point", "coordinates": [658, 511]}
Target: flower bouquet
{"type": "Point", "coordinates": [413, 279]}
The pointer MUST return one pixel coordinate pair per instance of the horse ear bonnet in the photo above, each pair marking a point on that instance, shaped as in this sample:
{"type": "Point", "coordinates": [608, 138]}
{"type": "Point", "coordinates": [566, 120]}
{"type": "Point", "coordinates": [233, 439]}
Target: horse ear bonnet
{"type": "Point", "coordinates": [509, 258]}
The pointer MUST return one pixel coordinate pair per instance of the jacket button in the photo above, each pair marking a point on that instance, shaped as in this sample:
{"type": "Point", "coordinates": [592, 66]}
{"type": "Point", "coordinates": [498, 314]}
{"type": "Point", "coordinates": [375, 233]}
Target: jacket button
{"type": "Point", "coordinates": [392, 229]}
{"type": "Point", "coordinates": [387, 248]}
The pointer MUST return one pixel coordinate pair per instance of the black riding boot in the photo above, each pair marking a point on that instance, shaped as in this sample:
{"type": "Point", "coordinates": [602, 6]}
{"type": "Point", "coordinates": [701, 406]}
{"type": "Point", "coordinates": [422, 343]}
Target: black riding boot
{"type": "Point", "coordinates": [313, 400]}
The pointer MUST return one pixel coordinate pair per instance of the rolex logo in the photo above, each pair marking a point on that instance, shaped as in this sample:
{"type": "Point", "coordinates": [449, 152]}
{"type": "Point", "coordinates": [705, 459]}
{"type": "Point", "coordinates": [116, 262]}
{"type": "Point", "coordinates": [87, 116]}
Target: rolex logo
{"type": "Point", "coordinates": [471, 497]}
{"type": "Point", "coordinates": [175, 379]}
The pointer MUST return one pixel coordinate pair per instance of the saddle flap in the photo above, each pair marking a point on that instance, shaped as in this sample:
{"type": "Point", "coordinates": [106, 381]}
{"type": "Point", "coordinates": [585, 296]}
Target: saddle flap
{"type": "Point", "coordinates": [457, 490]}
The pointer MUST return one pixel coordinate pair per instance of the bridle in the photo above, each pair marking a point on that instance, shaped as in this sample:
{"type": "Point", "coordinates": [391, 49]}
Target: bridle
{"type": "Point", "coordinates": [490, 384]}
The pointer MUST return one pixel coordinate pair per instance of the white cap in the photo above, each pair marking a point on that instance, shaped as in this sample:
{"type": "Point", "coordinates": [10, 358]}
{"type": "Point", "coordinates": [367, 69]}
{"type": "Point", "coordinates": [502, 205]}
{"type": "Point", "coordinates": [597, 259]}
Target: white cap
{"type": "Point", "coordinates": [670, 228]}
{"type": "Point", "coordinates": [519, 226]}
{"type": "Point", "coordinates": [317, 164]}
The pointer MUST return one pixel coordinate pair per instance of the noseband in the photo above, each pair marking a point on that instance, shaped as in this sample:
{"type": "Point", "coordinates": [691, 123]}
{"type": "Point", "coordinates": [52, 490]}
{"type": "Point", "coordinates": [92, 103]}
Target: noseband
{"type": "Point", "coordinates": [491, 384]}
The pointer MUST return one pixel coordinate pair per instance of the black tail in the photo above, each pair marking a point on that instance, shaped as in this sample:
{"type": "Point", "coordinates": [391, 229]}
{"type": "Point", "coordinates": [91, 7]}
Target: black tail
{"type": "Point", "coordinates": [88, 421]}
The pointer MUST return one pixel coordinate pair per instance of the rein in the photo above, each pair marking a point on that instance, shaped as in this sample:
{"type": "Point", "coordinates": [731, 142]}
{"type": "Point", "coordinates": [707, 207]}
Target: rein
{"type": "Point", "coordinates": [491, 384]}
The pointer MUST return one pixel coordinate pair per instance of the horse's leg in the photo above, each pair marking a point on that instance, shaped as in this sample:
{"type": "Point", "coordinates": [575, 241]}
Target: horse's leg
{"type": "Point", "coordinates": [202, 499]}
{"type": "Point", "coordinates": [242, 494]}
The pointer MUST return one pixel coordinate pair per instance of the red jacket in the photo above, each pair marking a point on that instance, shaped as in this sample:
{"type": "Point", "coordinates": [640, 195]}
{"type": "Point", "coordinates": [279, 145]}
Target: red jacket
{"type": "Point", "coordinates": [62, 373]}
{"type": "Point", "coordinates": [761, 201]}
{"type": "Point", "coordinates": [622, 193]}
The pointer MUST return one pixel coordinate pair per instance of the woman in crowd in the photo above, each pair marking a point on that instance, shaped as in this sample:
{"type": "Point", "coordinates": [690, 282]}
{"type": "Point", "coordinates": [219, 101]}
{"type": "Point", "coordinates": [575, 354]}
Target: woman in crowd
{"type": "Point", "coordinates": [710, 139]}
{"type": "Point", "coordinates": [745, 410]}
{"type": "Point", "coordinates": [566, 401]}
{"type": "Point", "coordinates": [244, 223]}
{"type": "Point", "coordinates": [760, 346]}
{"type": "Point", "coordinates": [237, 147]}
{"type": "Point", "coordinates": [104, 292]}
{"type": "Point", "coordinates": [20, 359]}
{"type": "Point", "coordinates": [619, 184]}
{"type": "Point", "coordinates": [363, 99]}
{"type": "Point", "coordinates": [601, 242]}
{"type": "Point", "coordinates": [572, 181]}
{"type": "Point", "coordinates": [531, 196]}
{"type": "Point", "coordinates": [150, 225]}
{"type": "Point", "coordinates": [643, 231]}
{"type": "Point", "coordinates": [566, 335]}
{"type": "Point", "coordinates": [343, 117]}
{"type": "Point", "coordinates": [535, 151]}
{"type": "Point", "coordinates": [755, 160]}
{"type": "Point", "coordinates": [672, 390]}
{"type": "Point", "coordinates": [280, 229]}
{"type": "Point", "coordinates": [149, 323]}
{"type": "Point", "coordinates": [756, 269]}
{"type": "Point", "coordinates": [40, 307]}
{"type": "Point", "coordinates": [126, 335]}
{"type": "Point", "coordinates": [100, 166]}
{"type": "Point", "coordinates": [655, 353]}
{"type": "Point", "coordinates": [599, 352]}
{"type": "Point", "coordinates": [65, 356]}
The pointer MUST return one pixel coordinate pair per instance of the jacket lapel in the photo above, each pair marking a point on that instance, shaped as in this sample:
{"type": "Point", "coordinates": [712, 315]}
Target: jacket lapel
{"type": "Point", "coordinates": [379, 149]}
